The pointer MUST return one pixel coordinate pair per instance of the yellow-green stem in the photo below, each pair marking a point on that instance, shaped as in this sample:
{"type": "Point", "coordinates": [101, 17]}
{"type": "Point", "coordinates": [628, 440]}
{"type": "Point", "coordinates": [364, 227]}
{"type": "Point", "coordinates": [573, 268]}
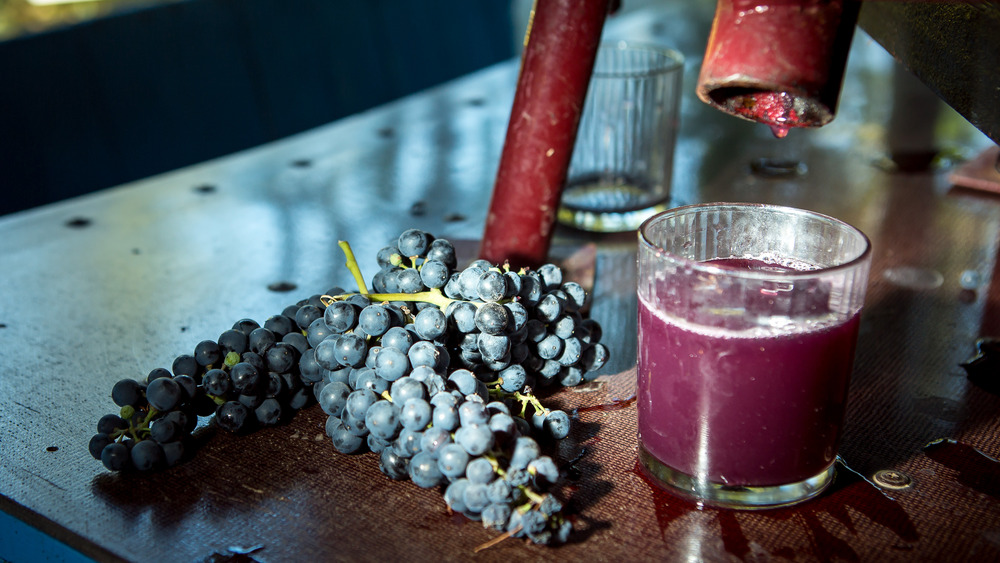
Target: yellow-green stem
{"type": "Point", "coordinates": [352, 265]}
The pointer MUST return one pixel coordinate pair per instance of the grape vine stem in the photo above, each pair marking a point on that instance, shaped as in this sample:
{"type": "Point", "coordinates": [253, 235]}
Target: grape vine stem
{"type": "Point", "coordinates": [352, 265]}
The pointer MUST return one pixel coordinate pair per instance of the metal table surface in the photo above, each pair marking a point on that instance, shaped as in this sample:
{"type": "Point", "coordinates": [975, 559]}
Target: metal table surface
{"type": "Point", "coordinates": [116, 283]}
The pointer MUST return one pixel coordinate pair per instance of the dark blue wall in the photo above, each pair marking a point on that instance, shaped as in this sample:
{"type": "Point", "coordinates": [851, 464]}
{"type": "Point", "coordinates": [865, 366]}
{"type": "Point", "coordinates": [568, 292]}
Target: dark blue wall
{"type": "Point", "coordinates": [125, 97]}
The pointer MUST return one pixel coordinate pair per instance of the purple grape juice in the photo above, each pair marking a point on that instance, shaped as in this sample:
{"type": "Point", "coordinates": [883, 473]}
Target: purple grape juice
{"type": "Point", "coordinates": [748, 397]}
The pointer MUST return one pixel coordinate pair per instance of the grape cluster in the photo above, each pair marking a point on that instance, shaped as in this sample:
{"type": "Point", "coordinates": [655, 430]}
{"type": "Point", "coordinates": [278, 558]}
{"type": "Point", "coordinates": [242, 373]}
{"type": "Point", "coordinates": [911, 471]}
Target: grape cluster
{"type": "Point", "coordinates": [248, 378]}
{"type": "Point", "coordinates": [434, 371]}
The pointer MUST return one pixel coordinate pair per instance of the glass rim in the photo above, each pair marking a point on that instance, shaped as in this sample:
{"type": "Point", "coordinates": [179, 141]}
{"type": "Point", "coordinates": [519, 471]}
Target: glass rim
{"type": "Point", "coordinates": [669, 60]}
{"type": "Point", "coordinates": [707, 268]}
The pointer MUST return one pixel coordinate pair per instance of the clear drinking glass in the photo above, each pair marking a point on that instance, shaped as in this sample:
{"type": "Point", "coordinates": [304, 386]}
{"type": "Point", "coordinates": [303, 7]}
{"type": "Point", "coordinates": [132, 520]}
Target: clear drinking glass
{"type": "Point", "coordinates": [622, 161]}
{"type": "Point", "coordinates": [748, 320]}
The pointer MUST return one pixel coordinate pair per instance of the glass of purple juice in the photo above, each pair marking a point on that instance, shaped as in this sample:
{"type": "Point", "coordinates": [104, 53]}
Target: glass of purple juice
{"type": "Point", "coordinates": [748, 319]}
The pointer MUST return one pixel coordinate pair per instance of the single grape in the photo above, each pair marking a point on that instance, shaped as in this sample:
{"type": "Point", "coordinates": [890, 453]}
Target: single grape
{"type": "Point", "coordinates": [476, 497]}
{"type": "Point", "coordinates": [548, 308]}
{"type": "Point", "coordinates": [513, 280]}
{"type": "Point", "coordinates": [464, 380]}
{"type": "Point", "coordinates": [377, 444]}
{"type": "Point", "coordinates": [382, 421]}
{"type": "Point", "coordinates": [307, 315]}
{"type": "Point", "coordinates": [557, 424]}
{"type": "Point", "coordinates": [426, 353]}
{"type": "Point", "coordinates": [115, 456]}
{"type": "Point", "coordinates": [551, 276]}
{"type": "Point", "coordinates": [576, 295]}
{"type": "Point", "coordinates": [462, 315]}
{"type": "Point", "coordinates": [469, 281]}
{"type": "Point", "coordinates": [409, 281]}
{"type": "Point", "coordinates": [407, 444]}
{"type": "Point", "coordinates": [433, 439]}
{"type": "Point", "coordinates": [434, 274]}
{"type": "Point", "coordinates": [165, 430]}
{"type": "Point", "coordinates": [146, 455]}
{"type": "Point", "coordinates": [503, 427]}
{"type": "Point", "coordinates": [186, 421]}
{"type": "Point", "coordinates": [424, 472]}
{"type": "Point", "coordinates": [128, 392]}
{"type": "Point", "coordinates": [476, 439]}
{"type": "Point", "coordinates": [97, 444]}
{"type": "Point", "coordinates": [368, 379]}
{"type": "Point", "coordinates": [391, 364]}
{"type": "Point", "coordinates": [232, 416]}
{"type": "Point", "coordinates": [453, 287]}
{"type": "Point", "coordinates": [344, 441]}
{"type": "Point", "coordinates": [109, 423]}
{"type": "Point", "coordinates": [245, 378]}
{"type": "Point", "coordinates": [354, 424]}
{"type": "Point", "coordinates": [492, 347]}
{"type": "Point", "coordinates": [185, 364]}
{"type": "Point", "coordinates": [544, 470]}
{"type": "Point", "coordinates": [430, 323]}
{"type": "Point", "coordinates": [526, 450]}
{"type": "Point", "coordinates": [513, 378]}
{"type": "Point", "coordinates": [479, 470]}
{"type": "Point", "coordinates": [384, 258]}
{"type": "Point", "coordinates": [415, 413]}
{"type": "Point", "coordinates": [268, 412]}
{"type": "Point", "coordinates": [374, 320]}
{"type": "Point", "coordinates": [570, 376]}
{"type": "Point", "coordinates": [452, 460]}
{"type": "Point", "coordinates": [571, 352]}
{"type": "Point", "coordinates": [216, 382]}
{"type": "Point", "coordinates": [173, 452]}
{"type": "Point", "coordinates": [281, 357]}
{"type": "Point", "coordinates": [340, 316]}
{"type": "Point", "coordinates": [396, 467]}
{"type": "Point", "coordinates": [309, 369]}
{"type": "Point", "coordinates": [594, 357]}
{"type": "Point", "coordinates": [397, 337]}
{"type": "Point", "coordinates": [550, 347]}
{"type": "Point", "coordinates": [491, 286]}
{"type": "Point", "coordinates": [454, 494]}
{"type": "Point", "coordinates": [444, 251]}
{"type": "Point", "coordinates": [296, 340]}
{"type": "Point", "coordinates": [414, 242]}
{"type": "Point", "coordinates": [358, 402]}
{"type": "Point", "coordinates": [550, 505]}
{"type": "Point", "coordinates": [472, 412]}
{"type": "Point", "coordinates": [260, 340]}
{"type": "Point", "coordinates": [496, 515]}
{"type": "Point", "coordinates": [246, 326]}
{"type": "Point", "coordinates": [445, 417]}
{"type": "Point", "coordinates": [531, 289]}
{"type": "Point", "coordinates": [157, 373]}
{"type": "Point", "coordinates": [326, 353]}
{"type": "Point", "coordinates": [317, 331]}
{"type": "Point", "coordinates": [280, 325]}
{"type": "Point", "coordinates": [492, 318]}
{"type": "Point", "coordinates": [207, 353]}
{"type": "Point", "coordinates": [351, 350]}
{"type": "Point", "coordinates": [500, 491]}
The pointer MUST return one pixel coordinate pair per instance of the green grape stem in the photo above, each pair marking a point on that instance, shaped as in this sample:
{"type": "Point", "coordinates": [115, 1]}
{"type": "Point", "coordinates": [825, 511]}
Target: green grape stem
{"type": "Point", "coordinates": [433, 296]}
{"type": "Point", "coordinates": [352, 265]}
{"type": "Point", "coordinates": [527, 398]}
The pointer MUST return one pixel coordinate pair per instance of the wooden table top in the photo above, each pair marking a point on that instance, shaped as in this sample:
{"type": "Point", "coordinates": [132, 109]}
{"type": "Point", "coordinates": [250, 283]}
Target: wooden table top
{"type": "Point", "coordinates": [114, 284]}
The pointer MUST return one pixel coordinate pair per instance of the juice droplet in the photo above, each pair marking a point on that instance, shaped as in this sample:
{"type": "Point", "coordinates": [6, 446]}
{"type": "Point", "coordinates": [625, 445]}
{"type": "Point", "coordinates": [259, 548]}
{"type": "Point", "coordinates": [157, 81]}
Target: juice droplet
{"type": "Point", "coordinates": [614, 405]}
{"type": "Point", "coordinates": [779, 131]}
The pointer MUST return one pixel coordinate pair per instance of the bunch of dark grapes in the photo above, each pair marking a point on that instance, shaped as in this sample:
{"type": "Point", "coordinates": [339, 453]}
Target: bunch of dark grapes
{"type": "Point", "coordinates": [248, 378]}
{"type": "Point", "coordinates": [434, 371]}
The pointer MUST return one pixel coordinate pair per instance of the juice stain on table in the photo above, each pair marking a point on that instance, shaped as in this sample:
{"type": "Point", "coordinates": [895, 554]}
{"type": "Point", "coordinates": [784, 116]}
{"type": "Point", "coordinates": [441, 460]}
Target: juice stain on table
{"type": "Point", "coordinates": [849, 491]}
{"type": "Point", "coordinates": [976, 470]}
